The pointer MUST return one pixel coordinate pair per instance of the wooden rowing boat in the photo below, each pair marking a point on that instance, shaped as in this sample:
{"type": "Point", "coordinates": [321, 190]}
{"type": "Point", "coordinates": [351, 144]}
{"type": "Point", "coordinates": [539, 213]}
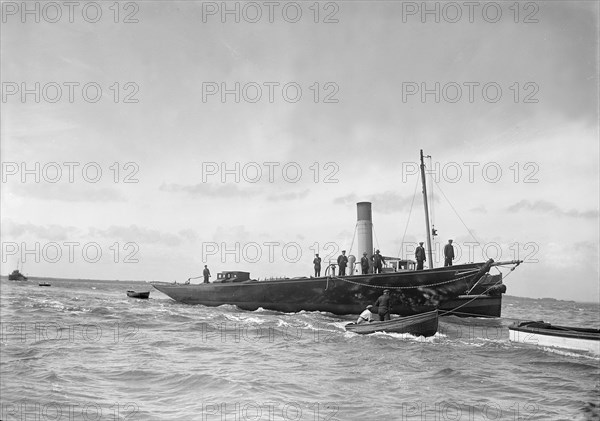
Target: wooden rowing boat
{"type": "Point", "coordinates": [424, 324]}
{"type": "Point", "coordinates": [142, 295]}
{"type": "Point", "coordinates": [545, 334]}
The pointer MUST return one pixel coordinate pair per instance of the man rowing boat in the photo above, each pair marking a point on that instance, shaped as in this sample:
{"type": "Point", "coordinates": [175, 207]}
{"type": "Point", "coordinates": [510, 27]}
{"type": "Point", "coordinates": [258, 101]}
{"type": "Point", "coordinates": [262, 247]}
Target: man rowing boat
{"type": "Point", "coordinates": [365, 316]}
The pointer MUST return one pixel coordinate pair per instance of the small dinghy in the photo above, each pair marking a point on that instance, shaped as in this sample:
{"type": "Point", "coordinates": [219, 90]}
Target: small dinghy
{"type": "Point", "coordinates": [44, 284]}
{"type": "Point", "coordinates": [545, 334]}
{"type": "Point", "coordinates": [424, 324]}
{"type": "Point", "coordinates": [135, 294]}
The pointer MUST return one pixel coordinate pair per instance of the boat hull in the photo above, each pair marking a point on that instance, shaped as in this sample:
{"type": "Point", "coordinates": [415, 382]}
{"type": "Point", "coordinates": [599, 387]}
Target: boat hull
{"type": "Point", "coordinates": [141, 295]}
{"type": "Point", "coordinates": [472, 306]}
{"type": "Point", "coordinates": [424, 324]}
{"type": "Point", "coordinates": [413, 292]}
{"type": "Point", "coordinates": [546, 335]}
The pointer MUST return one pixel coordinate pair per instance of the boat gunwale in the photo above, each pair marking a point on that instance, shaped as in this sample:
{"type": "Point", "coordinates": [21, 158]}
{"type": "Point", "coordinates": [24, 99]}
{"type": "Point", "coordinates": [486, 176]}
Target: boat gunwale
{"type": "Point", "coordinates": [587, 334]}
{"type": "Point", "coordinates": [368, 278]}
{"type": "Point", "coordinates": [413, 320]}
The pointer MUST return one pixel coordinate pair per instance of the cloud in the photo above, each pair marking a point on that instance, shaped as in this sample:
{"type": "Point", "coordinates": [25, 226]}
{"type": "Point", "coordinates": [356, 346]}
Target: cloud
{"type": "Point", "coordinates": [479, 209]}
{"type": "Point", "coordinates": [47, 232]}
{"type": "Point", "coordinates": [203, 189]}
{"type": "Point", "coordinates": [288, 196]}
{"type": "Point", "coordinates": [142, 235]}
{"type": "Point", "coordinates": [135, 233]}
{"type": "Point", "coordinates": [548, 207]}
{"type": "Point", "coordinates": [189, 234]}
{"type": "Point", "coordinates": [386, 202]}
{"type": "Point", "coordinates": [67, 192]}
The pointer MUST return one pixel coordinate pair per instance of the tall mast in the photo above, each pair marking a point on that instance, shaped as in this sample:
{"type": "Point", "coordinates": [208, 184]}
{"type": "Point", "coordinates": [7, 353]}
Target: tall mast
{"type": "Point", "coordinates": [429, 251]}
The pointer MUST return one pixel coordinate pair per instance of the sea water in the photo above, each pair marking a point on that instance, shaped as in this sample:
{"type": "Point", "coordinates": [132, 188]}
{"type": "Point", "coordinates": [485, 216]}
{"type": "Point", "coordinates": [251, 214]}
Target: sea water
{"type": "Point", "coordinates": [83, 350]}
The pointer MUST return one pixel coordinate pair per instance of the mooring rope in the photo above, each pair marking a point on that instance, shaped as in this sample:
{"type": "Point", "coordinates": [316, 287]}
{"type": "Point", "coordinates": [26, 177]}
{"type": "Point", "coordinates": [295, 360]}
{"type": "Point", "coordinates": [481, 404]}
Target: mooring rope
{"type": "Point", "coordinates": [479, 295]}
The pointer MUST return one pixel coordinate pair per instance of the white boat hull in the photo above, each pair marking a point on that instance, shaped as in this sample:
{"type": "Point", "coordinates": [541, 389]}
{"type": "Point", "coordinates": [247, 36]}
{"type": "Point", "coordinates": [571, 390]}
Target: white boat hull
{"type": "Point", "coordinates": [545, 340]}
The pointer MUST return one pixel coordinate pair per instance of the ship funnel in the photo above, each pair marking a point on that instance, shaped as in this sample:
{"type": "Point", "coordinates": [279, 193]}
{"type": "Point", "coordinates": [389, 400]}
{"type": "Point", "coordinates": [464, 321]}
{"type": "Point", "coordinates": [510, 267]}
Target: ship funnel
{"type": "Point", "coordinates": [364, 228]}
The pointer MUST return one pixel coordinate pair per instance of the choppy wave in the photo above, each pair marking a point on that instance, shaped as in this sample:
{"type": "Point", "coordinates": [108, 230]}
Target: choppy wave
{"type": "Point", "coordinates": [78, 344]}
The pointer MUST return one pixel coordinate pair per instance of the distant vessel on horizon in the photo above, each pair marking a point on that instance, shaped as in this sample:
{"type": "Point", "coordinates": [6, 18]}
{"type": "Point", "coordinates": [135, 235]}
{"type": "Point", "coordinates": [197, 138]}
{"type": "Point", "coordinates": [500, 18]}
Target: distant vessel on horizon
{"type": "Point", "coordinates": [16, 276]}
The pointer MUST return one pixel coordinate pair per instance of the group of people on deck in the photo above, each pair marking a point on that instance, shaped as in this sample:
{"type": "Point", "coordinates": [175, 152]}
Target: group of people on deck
{"type": "Point", "coordinates": [448, 255]}
{"type": "Point", "coordinates": [378, 260]}
{"type": "Point", "coordinates": [342, 261]}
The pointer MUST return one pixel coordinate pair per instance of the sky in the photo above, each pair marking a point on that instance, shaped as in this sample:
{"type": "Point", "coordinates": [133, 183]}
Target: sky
{"type": "Point", "coordinates": [146, 140]}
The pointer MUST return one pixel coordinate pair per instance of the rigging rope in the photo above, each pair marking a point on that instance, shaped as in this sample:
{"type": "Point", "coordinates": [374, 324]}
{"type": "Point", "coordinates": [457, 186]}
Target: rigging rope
{"type": "Point", "coordinates": [408, 220]}
{"type": "Point", "coordinates": [353, 237]}
{"type": "Point", "coordinates": [477, 296]}
{"type": "Point", "coordinates": [456, 212]}
{"type": "Point", "coordinates": [431, 195]}
{"type": "Point", "coordinates": [375, 235]}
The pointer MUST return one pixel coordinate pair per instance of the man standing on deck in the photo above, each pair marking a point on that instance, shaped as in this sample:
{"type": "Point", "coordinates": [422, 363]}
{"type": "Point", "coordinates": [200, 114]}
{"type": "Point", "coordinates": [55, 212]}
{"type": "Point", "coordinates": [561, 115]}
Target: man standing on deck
{"type": "Point", "coordinates": [383, 302]}
{"type": "Point", "coordinates": [420, 256]}
{"type": "Point", "coordinates": [342, 262]}
{"type": "Point", "coordinates": [317, 263]}
{"type": "Point", "coordinates": [378, 262]}
{"type": "Point", "coordinates": [448, 253]}
{"type": "Point", "coordinates": [364, 264]}
{"type": "Point", "coordinates": [206, 274]}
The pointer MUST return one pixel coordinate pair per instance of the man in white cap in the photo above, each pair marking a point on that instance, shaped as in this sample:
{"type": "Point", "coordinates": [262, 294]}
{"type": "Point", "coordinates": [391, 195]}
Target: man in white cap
{"type": "Point", "coordinates": [365, 316]}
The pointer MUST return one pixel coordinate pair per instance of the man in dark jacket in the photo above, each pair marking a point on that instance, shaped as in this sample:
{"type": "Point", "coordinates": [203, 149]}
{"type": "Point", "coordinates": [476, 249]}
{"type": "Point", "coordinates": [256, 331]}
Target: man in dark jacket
{"type": "Point", "coordinates": [448, 253]}
{"type": "Point", "coordinates": [384, 305]}
{"type": "Point", "coordinates": [420, 256]}
{"type": "Point", "coordinates": [206, 274]}
{"type": "Point", "coordinates": [317, 263]}
{"type": "Point", "coordinates": [364, 264]}
{"type": "Point", "coordinates": [342, 262]}
{"type": "Point", "coordinates": [378, 262]}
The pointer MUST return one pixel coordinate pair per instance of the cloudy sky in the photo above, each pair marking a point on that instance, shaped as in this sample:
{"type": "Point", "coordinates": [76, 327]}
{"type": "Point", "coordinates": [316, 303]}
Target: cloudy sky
{"type": "Point", "coordinates": [144, 141]}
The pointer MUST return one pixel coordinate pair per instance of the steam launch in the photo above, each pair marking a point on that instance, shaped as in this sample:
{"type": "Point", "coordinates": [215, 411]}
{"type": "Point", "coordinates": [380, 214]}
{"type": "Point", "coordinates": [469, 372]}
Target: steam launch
{"type": "Point", "coordinates": [462, 290]}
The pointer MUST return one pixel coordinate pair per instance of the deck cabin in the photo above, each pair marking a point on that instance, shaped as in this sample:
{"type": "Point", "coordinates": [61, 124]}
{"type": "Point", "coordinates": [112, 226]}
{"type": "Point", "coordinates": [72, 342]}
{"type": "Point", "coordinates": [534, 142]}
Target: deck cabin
{"type": "Point", "coordinates": [232, 276]}
{"type": "Point", "coordinates": [398, 265]}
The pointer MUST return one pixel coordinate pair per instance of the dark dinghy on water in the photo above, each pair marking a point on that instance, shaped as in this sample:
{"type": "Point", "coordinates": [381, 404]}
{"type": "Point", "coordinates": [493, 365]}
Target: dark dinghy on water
{"type": "Point", "coordinates": [141, 295]}
{"type": "Point", "coordinates": [545, 334]}
{"type": "Point", "coordinates": [424, 324]}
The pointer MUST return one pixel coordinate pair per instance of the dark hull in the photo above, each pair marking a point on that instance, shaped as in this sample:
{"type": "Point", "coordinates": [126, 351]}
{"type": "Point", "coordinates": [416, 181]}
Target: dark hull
{"type": "Point", "coordinates": [412, 292]}
{"type": "Point", "coordinates": [17, 277]}
{"type": "Point", "coordinates": [141, 295]}
{"type": "Point", "coordinates": [424, 324]}
{"type": "Point", "coordinates": [472, 306]}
